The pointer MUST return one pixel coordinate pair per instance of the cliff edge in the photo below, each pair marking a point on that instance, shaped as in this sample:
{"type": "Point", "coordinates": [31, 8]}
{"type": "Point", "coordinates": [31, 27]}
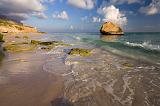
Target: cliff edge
{"type": "Point", "coordinates": [9, 26]}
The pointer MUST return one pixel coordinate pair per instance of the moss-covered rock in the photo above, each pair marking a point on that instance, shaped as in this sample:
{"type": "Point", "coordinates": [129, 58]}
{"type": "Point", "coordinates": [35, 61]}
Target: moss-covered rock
{"type": "Point", "coordinates": [79, 51]}
{"type": "Point", "coordinates": [35, 42]}
{"type": "Point", "coordinates": [25, 37]}
{"type": "Point", "coordinates": [19, 47]}
{"type": "Point", "coordinates": [1, 37]}
{"type": "Point", "coordinates": [48, 43]}
{"type": "Point", "coordinates": [17, 36]}
{"type": "Point", "coordinates": [127, 65]}
{"type": "Point", "coordinates": [47, 48]}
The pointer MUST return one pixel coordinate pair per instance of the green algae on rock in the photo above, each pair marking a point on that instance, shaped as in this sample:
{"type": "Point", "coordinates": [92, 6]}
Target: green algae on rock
{"type": "Point", "coordinates": [127, 65]}
{"type": "Point", "coordinates": [1, 53]}
{"type": "Point", "coordinates": [19, 47]}
{"type": "Point", "coordinates": [47, 43]}
{"type": "Point", "coordinates": [25, 37]}
{"type": "Point", "coordinates": [47, 48]}
{"type": "Point", "coordinates": [1, 37]}
{"type": "Point", "coordinates": [79, 51]}
{"type": "Point", "coordinates": [35, 42]}
{"type": "Point", "coordinates": [17, 36]}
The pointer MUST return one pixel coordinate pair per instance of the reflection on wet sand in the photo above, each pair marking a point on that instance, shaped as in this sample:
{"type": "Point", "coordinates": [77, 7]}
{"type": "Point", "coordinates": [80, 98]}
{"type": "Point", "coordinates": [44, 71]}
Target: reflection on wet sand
{"type": "Point", "coordinates": [25, 83]}
{"type": "Point", "coordinates": [111, 38]}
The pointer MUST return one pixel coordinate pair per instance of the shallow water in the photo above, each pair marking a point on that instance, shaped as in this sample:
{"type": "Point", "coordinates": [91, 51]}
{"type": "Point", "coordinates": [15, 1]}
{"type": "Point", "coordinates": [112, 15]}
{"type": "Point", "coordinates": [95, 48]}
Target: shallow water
{"type": "Point", "coordinates": [105, 79]}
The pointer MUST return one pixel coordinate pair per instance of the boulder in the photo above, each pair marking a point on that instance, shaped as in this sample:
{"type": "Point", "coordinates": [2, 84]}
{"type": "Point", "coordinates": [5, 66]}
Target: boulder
{"type": "Point", "coordinates": [80, 52]}
{"type": "Point", "coordinates": [48, 43]}
{"type": "Point", "coordinates": [110, 28]}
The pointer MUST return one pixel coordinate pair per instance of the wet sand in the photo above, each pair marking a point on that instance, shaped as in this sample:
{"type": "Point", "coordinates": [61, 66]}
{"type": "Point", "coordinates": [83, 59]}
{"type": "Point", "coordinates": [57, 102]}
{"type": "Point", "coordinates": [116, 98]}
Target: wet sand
{"type": "Point", "coordinates": [23, 82]}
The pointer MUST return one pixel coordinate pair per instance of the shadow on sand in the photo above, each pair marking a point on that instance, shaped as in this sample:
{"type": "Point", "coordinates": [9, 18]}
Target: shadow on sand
{"type": "Point", "coordinates": [61, 102]}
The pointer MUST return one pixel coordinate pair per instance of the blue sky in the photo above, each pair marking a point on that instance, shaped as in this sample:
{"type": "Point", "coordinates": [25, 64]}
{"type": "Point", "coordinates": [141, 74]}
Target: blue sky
{"type": "Point", "coordinates": [84, 15]}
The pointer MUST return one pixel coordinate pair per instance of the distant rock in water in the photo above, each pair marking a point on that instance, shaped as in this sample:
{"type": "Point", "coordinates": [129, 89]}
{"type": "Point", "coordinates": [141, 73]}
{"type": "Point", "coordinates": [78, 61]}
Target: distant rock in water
{"type": "Point", "coordinates": [110, 28]}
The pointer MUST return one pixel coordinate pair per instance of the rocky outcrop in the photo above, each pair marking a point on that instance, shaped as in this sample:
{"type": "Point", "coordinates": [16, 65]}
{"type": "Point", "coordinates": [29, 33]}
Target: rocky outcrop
{"type": "Point", "coordinates": [110, 28]}
{"type": "Point", "coordinates": [80, 52]}
{"type": "Point", "coordinates": [8, 26]}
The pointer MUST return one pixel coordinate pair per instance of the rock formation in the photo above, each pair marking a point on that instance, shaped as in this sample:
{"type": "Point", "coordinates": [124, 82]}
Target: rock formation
{"type": "Point", "coordinates": [80, 52]}
{"type": "Point", "coordinates": [8, 26]}
{"type": "Point", "coordinates": [110, 28]}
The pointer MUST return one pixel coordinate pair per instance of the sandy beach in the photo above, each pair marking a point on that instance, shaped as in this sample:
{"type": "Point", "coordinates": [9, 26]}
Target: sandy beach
{"type": "Point", "coordinates": [23, 82]}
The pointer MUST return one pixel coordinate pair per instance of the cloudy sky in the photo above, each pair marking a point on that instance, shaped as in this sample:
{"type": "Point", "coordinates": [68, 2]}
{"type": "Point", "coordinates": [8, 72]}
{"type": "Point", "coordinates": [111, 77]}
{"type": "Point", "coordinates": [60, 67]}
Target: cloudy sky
{"type": "Point", "coordinates": [84, 15]}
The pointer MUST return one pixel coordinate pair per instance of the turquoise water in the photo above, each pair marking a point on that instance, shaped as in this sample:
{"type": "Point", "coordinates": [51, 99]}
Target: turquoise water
{"type": "Point", "coordinates": [140, 45]}
{"type": "Point", "coordinates": [121, 79]}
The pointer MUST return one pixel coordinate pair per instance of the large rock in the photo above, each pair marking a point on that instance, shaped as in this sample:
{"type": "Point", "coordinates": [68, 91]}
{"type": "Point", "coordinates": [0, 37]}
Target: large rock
{"type": "Point", "coordinates": [110, 28]}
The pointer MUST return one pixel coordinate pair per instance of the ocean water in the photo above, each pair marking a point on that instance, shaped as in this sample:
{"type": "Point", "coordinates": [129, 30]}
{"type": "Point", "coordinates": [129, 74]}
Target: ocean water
{"type": "Point", "coordinates": [143, 46]}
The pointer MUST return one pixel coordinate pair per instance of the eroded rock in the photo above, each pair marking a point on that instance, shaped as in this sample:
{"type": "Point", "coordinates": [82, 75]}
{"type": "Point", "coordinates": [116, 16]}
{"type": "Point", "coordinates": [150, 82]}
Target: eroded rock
{"type": "Point", "coordinates": [110, 28]}
{"type": "Point", "coordinates": [79, 51]}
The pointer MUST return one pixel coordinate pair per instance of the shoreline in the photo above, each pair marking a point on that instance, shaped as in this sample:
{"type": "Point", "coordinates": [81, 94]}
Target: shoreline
{"type": "Point", "coordinates": [56, 77]}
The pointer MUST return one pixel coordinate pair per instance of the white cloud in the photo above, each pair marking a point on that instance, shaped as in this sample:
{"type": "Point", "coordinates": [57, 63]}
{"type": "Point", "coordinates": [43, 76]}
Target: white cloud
{"type": "Point", "coordinates": [126, 1]}
{"type": "Point", "coordinates": [71, 27]}
{"type": "Point", "coordinates": [84, 4]}
{"type": "Point", "coordinates": [40, 15]}
{"type": "Point", "coordinates": [62, 15]}
{"type": "Point", "coordinates": [114, 2]}
{"type": "Point", "coordinates": [113, 14]}
{"type": "Point", "coordinates": [96, 19]}
{"type": "Point", "coordinates": [48, 1]}
{"type": "Point", "coordinates": [85, 18]}
{"type": "Point", "coordinates": [20, 8]}
{"type": "Point", "coordinates": [152, 8]}
{"type": "Point", "coordinates": [18, 16]}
